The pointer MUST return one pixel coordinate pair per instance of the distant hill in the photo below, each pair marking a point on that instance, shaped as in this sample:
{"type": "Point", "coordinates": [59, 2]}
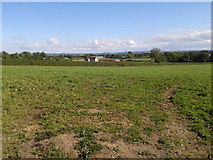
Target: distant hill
{"type": "Point", "coordinates": [123, 52]}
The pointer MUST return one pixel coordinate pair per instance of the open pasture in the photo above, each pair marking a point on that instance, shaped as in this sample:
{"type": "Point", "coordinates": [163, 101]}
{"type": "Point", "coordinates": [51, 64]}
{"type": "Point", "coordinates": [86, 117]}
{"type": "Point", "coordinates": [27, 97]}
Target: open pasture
{"type": "Point", "coordinates": [140, 111]}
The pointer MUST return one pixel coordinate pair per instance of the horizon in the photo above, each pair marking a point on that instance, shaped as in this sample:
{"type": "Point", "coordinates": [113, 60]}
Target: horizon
{"type": "Point", "coordinates": [111, 52]}
{"type": "Point", "coordinates": [72, 27]}
{"type": "Point", "coordinates": [102, 53]}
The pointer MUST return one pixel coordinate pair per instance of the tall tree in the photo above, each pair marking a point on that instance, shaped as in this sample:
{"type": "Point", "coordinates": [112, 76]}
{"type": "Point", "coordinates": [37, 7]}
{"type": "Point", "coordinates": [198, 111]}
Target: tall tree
{"type": "Point", "coordinates": [5, 55]}
{"type": "Point", "coordinates": [25, 55]}
{"type": "Point", "coordinates": [130, 55]}
{"type": "Point", "coordinates": [154, 52]}
{"type": "Point", "coordinates": [202, 57]}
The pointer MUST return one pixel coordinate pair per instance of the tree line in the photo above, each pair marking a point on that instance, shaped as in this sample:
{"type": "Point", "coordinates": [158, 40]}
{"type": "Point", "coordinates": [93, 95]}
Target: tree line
{"type": "Point", "coordinates": [44, 56]}
{"type": "Point", "coordinates": [155, 54]}
{"type": "Point", "coordinates": [191, 56]}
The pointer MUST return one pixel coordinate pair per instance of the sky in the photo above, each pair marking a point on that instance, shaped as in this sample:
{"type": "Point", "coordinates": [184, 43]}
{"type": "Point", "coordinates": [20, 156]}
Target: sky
{"type": "Point", "coordinates": [91, 27]}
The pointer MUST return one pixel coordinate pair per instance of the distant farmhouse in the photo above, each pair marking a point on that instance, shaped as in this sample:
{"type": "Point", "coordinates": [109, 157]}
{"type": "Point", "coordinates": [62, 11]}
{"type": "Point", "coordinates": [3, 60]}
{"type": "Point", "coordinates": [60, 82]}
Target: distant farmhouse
{"type": "Point", "coordinates": [94, 59]}
{"type": "Point", "coordinates": [101, 59]}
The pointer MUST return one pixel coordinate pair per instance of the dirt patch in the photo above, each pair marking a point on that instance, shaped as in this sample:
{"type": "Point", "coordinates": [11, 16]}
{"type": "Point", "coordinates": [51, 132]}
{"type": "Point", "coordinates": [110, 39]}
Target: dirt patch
{"type": "Point", "coordinates": [124, 123]}
{"type": "Point", "coordinates": [32, 128]}
{"type": "Point", "coordinates": [118, 149]}
{"type": "Point", "coordinates": [122, 149]}
{"type": "Point", "coordinates": [86, 88]}
{"type": "Point", "coordinates": [65, 142]}
{"type": "Point", "coordinates": [167, 95]}
{"type": "Point", "coordinates": [94, 111]}
{"type": "Point", "coordinates": [82, 101]}
{"type": "Point", "coordinates": [102, 135]}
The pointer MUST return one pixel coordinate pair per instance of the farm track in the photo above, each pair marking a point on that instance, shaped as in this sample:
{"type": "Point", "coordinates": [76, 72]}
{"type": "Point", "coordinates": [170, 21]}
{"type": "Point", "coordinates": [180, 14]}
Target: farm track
{"type": "Point", "coordinates": [177, 128]}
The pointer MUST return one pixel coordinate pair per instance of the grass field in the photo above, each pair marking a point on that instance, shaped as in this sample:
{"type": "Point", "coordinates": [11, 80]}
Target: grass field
{"type": "Point", "coordinates": [141, 111]}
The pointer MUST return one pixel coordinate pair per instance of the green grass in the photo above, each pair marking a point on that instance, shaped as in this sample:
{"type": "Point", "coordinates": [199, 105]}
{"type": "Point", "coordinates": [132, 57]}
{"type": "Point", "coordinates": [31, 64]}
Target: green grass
{"type": "Point", "coordinates": [49, 97]}
{"type": "Point", "coordinates": [163, 142]}
{"type": "Point", "coordinates": [87, 145]}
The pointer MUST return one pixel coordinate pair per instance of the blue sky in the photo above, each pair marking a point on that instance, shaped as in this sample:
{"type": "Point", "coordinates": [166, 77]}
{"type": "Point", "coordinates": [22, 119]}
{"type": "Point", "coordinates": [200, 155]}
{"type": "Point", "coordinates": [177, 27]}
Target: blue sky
{"type": "Point", "coordinates": [101, 27]}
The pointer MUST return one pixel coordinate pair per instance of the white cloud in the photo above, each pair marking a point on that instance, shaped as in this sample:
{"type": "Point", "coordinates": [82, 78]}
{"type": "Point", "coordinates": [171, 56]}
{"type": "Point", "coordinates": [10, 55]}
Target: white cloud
{"type": "Point", "coordinates": [183, 39]}
{"type": "Point", "coordinates": [108, 43]}
{"type": "Point", "coordinates": [131, 42]}
{"type": "Point", "coordinates": [33, 45]}
{"type": "Point", "coordinates": [172, 40]}
{"type": "Point", "coordinates": [184, 36]}
{"type": "Point", "coordinates": [52, 41]}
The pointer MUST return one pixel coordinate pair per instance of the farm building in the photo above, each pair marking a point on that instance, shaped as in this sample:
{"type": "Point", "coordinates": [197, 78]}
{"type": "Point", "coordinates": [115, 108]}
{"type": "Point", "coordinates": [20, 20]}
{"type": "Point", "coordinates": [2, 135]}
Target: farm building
{"type": "Point", "coordinates": [101, 59]}
{"type": "Point", "coordinates": [94, 59]}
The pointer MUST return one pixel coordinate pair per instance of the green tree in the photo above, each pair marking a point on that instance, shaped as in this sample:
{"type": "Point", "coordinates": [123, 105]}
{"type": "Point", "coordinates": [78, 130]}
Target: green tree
{"type": "Point", "coordinates": [25, 55]}
{"type": "Point", "coordinates": [5, 55]}
{"type": "Point", "coordinates": [39, 56]}
{"type": "Point", "coordinates": [154, 52]}
{"type": "Point", "coordinates": [160, 58]}
{"type": "Point", "coordinates": [130, 55]}
{"type": "Point", "coordinates": [192, 56]}
{"type": "Point", "coordinates": [15, 56]}
{"type": "Point", "coordinates": [185, 57]}
{"type": "Point", "coordinates": [171, 56]}
{"type": "Point", "coordinates": [43, 55]}
{"type": "Point", "coordinates": [202, 57]}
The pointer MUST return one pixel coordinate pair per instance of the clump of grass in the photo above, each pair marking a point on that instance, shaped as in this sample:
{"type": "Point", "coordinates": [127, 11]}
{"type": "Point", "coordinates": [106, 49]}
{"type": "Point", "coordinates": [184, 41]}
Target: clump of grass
{"type": "Point", "coordinates": [159, 118]}
{"type": "Point", "coordinates": [148, 130]}
{"type": "Point", "coordinates": [133, 136]}
{"type": "Point", "coordinates": [85, 131]}
{"type": "Point", "coordinates": [46, 134]}
{"type": "Point", "coordinates": [144, 153]}
{"type": "Point", "coordinates": [88, 145]}
{"type": "Point", "coordinates": [116, 149]}
{"type": "Point", "coordinates": [163, 142]}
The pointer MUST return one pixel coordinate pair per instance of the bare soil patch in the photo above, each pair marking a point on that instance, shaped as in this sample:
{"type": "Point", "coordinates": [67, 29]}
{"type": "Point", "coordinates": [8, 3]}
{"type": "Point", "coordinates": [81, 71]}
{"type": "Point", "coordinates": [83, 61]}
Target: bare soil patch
{"type": "Point", "coordinates": [32, 128]}
{"type": "Point", "coordinates": [94, 111]}
{"type": "Point", "coordinates": [91, 111]}
{"type": "Point", "coordinates": [65, 142]}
